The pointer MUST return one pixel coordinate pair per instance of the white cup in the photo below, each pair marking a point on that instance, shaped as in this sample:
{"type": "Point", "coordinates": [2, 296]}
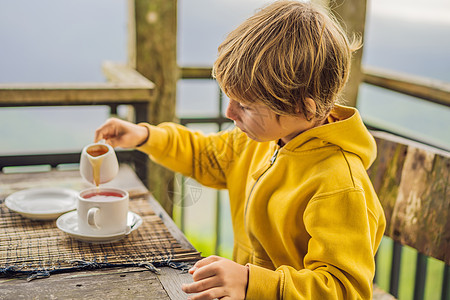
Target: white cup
{"type": "Point", "coordinates": [102, 211]}
{"type": "Point", "coordinates": [98, 163]}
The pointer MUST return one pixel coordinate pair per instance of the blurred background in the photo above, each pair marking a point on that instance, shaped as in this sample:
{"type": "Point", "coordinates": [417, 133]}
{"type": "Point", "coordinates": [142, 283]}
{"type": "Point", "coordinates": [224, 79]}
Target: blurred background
{"type": "Point", "coordinates": [67, 41]}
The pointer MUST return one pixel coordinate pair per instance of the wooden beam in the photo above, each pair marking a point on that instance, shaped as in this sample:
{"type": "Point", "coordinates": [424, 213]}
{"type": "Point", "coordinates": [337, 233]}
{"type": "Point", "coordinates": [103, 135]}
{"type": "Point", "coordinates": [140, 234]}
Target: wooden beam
{"type": "Point", "coordinates": [412, 181]}
{"type": "Point", "coordinates": [196, 72]}
{"type": "Point", "coordinates": [127, 86]}
{"type": "Point", "coordinates": [70, 94]}
{"type": "Point", "coordinates": [425, 88]}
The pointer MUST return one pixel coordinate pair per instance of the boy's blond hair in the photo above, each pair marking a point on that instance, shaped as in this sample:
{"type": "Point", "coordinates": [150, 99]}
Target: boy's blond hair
{"type": "Point", "coordinates": [286, 52]}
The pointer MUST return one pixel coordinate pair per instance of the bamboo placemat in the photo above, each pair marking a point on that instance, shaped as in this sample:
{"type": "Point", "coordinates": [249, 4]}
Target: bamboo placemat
{"type": "Point", "coordinates": [39, 248]}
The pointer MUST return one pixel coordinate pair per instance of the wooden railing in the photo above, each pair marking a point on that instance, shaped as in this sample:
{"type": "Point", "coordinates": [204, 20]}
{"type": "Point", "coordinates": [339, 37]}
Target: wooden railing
{"type": "Point", "coordinates": [432, 90]}
{"type": "Point", "coordinates": [125, 86]}
{"type": "Point", "coordinates": [427, 89]}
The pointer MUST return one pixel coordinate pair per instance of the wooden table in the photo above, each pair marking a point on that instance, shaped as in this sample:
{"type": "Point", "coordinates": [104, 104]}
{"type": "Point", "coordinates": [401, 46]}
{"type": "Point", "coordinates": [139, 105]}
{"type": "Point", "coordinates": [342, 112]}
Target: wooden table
{"type": "Point", "coordinates": [110, 283]}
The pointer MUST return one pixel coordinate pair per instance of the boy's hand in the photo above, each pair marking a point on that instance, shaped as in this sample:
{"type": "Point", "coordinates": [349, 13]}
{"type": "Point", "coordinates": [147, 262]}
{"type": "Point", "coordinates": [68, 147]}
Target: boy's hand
{"type": "Point", "coordinates": [217, 277]}
{"type": "Point", "coordinates": [119, 133]}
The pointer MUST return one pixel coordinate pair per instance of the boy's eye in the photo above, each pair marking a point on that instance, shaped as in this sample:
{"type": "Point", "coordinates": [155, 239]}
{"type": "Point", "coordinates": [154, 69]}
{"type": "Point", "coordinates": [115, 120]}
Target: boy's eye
{"type": "Point", "coordinates": [243, 107]}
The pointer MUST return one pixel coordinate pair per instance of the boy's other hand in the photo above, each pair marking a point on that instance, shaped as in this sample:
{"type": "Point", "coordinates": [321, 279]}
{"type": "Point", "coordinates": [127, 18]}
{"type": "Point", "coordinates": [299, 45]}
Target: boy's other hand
{"type": "Point", "coordinates": [217, 277]}
{"type": "Point", "coordinates": [120, 133]}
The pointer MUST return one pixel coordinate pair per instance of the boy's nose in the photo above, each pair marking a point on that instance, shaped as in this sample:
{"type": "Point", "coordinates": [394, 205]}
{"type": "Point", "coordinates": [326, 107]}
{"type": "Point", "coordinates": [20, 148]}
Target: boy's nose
{"type": "Point", "coordinates": [230, 112]}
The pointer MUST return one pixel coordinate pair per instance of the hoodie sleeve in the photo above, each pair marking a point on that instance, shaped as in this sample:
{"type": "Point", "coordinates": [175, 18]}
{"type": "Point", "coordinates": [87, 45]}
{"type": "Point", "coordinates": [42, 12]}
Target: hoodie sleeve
{"type": "Point", "coordinates": [205, 158]}
{"type": "Point", "coordinates": [339, 263]}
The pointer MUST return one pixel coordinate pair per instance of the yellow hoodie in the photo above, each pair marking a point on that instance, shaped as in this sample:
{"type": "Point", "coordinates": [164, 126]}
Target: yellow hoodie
{"type": "Point", "coordinates": [306, 218]}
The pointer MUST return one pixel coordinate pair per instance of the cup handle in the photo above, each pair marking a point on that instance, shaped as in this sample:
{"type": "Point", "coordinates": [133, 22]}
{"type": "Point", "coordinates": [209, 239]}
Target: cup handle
{"type": "Point", "coordinates": [91, 216]}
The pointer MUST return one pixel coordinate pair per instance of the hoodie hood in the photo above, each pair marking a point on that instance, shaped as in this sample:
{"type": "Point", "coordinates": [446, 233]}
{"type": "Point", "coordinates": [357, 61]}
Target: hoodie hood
{"type": "Point", "coordinates": [344, 129]}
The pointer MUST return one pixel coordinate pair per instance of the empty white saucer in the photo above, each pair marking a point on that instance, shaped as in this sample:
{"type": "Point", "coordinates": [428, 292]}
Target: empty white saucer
{"type": "Point", "coordinates": [42, 203]}
{"type": "Point", "coordinates": [69, 224]}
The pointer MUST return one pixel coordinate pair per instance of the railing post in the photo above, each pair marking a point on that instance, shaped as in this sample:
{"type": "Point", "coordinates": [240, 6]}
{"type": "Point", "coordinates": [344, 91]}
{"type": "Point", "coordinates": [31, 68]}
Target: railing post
{"type": "Point", "coordinates": [421, 275]}
{"type": "Point", "coordinates": [395, 269]}
{"type": "Point", "coordinates": [218, 212]}
{"type": "Point", "coordinates": [446, 283]}
{"type": "Point", "coordinates": [352, 15]}
{"type": "Point", "coordinates": [152, 51]}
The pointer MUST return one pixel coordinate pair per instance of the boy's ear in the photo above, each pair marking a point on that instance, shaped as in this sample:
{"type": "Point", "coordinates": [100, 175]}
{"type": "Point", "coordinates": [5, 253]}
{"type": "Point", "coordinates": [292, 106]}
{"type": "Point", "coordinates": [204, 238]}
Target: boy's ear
{"type": "Point", "coordinates": [310, 106]}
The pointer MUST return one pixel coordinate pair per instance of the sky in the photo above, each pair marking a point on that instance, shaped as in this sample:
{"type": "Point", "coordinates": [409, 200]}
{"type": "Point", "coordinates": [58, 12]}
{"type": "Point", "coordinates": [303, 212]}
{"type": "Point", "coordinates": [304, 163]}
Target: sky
{"type": "Point", "coordinates": [434, 11]}
{"type": "Point", "coordinates": [64, 40]}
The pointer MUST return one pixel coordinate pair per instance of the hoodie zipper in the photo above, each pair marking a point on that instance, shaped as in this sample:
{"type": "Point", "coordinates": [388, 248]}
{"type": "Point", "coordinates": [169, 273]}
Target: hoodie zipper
{"type": "Point", "coordinates": [272, 161]}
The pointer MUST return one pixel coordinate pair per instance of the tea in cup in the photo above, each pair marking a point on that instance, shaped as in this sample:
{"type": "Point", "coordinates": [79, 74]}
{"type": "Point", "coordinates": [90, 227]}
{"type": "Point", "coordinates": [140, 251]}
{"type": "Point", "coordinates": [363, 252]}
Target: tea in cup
{"type": "Point", "coordinates": [98, 163]}
{"type": "Point", "coordinates": [102, 211]}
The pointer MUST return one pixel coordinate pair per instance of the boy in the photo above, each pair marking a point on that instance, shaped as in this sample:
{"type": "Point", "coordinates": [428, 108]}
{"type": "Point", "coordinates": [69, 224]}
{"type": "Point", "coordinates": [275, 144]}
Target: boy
{"type": "Point", "coordinates": [306, 220]}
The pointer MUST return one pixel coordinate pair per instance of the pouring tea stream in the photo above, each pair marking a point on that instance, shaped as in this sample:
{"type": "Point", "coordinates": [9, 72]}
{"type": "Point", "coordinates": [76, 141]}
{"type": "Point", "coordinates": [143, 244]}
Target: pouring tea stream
{"type": "Point", "coordinates": [98, 163]}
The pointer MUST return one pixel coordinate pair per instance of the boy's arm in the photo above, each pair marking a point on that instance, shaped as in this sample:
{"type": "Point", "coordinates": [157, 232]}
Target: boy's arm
{"type": "Point", "coordinates": [120, 133]}
{"type": "Point", "coordinates": [205, 158]}
{"type": "Point", "coordinates": [340, 259]}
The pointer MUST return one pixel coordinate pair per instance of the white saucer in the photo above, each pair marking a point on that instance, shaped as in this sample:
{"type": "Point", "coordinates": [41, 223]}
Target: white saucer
{"type": "Point", "coordinates": [69, 224]}
{"type": "Point", "coordinates": [42, 203]}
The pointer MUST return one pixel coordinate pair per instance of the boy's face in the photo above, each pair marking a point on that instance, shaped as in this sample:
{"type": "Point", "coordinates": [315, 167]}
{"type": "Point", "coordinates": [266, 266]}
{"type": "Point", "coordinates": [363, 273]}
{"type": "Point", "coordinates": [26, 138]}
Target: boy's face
{"type": "Point", "coordinates": [262, 125]}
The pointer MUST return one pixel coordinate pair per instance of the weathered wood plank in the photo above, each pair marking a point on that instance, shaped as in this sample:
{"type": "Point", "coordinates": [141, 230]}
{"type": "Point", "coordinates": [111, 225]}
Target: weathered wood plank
{"type": "Point", "coordinates": [130, 283]}
{"type": "Point", "coordinates": [413, 183]}
{"type": "Point", "coordinates": [122, 74]}
{"type": "Point", "coordinates": [172, 280]}
{"type": "Point", "coordinates": [386, 173]}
